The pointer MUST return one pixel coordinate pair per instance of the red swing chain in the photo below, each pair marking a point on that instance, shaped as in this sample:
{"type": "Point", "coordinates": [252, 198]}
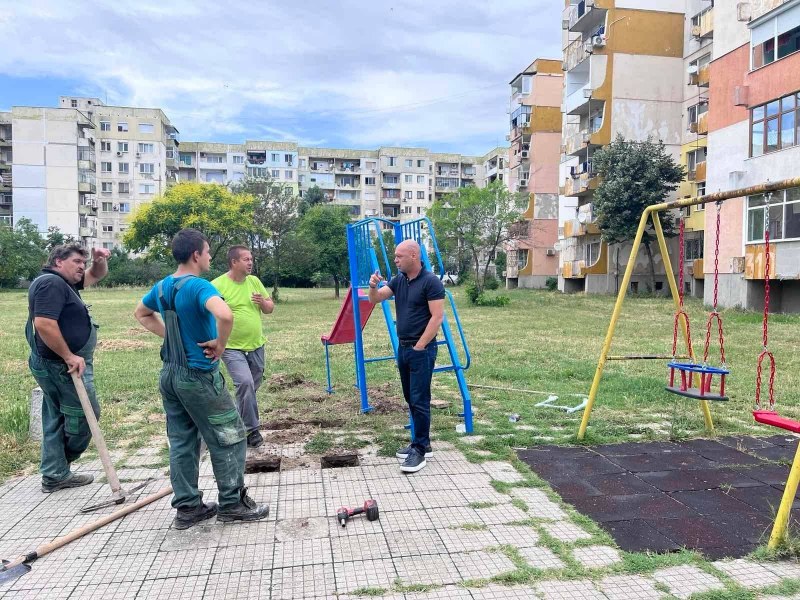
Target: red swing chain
{"type": "Point", "coordinates": [681, 312]}
{"type": "Point", "coordinates": [765, 352]}
{"type": "Point", "coordinates": [715, 313]}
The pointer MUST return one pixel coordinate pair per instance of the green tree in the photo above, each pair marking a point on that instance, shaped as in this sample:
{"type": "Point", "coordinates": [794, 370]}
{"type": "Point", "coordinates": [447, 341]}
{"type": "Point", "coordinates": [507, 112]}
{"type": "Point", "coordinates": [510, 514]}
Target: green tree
{"type": "Point", "coordinates": [475, 222]}
{"type": "Point", "coordinates": [324, 228]}
{"type": "Point", "coordinates": [388, 243]}
{"type": "Point", "coordinates": [55, 237]}
{"type": "Point", "coordinates": [274, 221]}
{"type": "Point", "coordinates": [22, 253]}
{"type": "Point", "coordinates": [634, 176]}
{"type": "Point", "coordinates": [312, 197]}
{"type": "Point", "coordinates": [224, 217]}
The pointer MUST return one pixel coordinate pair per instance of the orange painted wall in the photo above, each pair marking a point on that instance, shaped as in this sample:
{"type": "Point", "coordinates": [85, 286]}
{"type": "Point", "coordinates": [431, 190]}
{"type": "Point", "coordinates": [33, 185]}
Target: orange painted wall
{"type": "Point", "coordinates": [731, 220]}
{"type": "Point", "coordinates": [546, 149]}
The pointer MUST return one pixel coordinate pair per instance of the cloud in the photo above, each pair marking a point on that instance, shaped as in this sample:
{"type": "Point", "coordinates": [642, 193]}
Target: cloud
{"type": "Point", "coordinates": [345, 73]}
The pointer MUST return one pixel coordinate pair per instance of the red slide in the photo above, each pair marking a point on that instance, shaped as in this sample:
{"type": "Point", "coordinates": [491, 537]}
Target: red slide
{"type": "Point", "coordinates": [343, 331]}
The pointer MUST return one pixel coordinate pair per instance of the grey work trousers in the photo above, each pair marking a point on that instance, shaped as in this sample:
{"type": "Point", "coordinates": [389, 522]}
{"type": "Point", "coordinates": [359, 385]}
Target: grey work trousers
{"type": "Point", "coordinates": [247, 371]}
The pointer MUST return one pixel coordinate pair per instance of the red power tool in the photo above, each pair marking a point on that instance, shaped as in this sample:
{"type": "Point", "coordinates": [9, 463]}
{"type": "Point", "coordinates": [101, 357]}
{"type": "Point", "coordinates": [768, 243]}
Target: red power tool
{"type": "Point", "coordinates": [370, 507]}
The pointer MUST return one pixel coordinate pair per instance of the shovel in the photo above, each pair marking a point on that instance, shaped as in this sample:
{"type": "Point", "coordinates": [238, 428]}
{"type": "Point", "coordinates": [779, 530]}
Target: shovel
{"type": "Point", "coordinates": [118, 495]}
{"type": "Point", "coordinates": [18, 567]}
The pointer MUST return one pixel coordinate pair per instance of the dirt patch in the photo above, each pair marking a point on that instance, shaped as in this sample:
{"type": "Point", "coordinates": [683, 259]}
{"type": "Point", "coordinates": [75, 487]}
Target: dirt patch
{"type": "Point", "coordinates": [290, 435]}
{"type": "Point", "coordinates": [157, 418]}
{"type": "Point", "coordinates": [137, 331]}
{"type": "Point", "coordinates": [115, 344]}
{"type": "Point", "coordinates": [385, 400]}
{"type": "Point", "coordinates": [14, 367]}
{"type": "Point", "coordinates": [290, 423]}
{"type": "Point", "coordinates": [307, 461]}
{"type": "Point", "coordinates": [283, 381]}
{"type": "Point", "coordinates": [264, 463]}
{"type": "Point", "coordinates": [334, 459]}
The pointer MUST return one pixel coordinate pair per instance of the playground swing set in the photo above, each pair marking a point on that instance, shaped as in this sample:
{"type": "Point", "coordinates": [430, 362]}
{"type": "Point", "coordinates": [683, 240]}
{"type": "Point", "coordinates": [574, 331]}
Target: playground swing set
{"type": "Point", "coordinates": [363, 238]}
{"type": "Point", "coordinates": [700, 380]}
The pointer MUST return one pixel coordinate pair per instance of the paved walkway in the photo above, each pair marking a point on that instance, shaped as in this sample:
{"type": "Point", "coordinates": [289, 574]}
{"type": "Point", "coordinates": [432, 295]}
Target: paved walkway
{"type": "Point", "coordinates": [442, 534]}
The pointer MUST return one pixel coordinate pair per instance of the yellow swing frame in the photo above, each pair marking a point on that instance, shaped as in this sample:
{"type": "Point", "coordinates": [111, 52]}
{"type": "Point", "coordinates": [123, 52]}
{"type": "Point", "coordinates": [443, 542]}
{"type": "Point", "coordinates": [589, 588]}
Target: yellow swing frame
{"type": "Point", "coordinates": [652, 213]}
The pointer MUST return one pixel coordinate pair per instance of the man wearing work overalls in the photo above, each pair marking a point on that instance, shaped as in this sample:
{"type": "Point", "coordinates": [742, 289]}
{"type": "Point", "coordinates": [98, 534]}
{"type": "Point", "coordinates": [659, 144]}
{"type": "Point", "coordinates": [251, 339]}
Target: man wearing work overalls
{"type": "Point", "coordinates": [62, 337]}
{"type": "Point", "coordinates": [195, 324]}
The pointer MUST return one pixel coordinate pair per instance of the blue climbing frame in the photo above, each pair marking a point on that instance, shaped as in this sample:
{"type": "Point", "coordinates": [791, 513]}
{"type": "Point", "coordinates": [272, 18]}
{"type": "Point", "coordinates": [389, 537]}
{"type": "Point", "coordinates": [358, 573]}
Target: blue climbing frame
{"type": "Point", "coordinates": [362, 239]}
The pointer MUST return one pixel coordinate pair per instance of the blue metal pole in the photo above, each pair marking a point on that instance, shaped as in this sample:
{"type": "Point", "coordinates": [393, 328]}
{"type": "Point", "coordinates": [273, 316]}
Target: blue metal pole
{"type": "Point", "coordinates": [361, 375]}
{"type": "Point", "coordinates": [328, 368]}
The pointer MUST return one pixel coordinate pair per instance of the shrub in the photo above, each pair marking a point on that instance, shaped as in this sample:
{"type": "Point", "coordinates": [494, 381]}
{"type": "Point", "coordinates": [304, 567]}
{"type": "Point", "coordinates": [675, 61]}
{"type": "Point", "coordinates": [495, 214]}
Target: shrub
{"type": "Point", "coordinates": [484, 300]}
{"type": "Point", "coordinates": [472, 290]}
{"type": "Point", "coordinates": [492, 283]}
{"type": "Point", "coordinates": [551, 283]}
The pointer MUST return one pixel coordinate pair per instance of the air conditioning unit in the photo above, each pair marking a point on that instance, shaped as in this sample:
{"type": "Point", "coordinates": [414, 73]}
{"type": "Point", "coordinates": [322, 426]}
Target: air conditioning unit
{"type": "Point", "coordinates": [587, 47]}
{"type": "Point", "coordinates": [525, 153]}
{"type": "Point", "coordinates": [550, 252]}
{"type": "Point", "coordinates": [138, 155]}
{"type": "Point", "coordinates": [696, 31]}
{"type": "Point", "coordinates": [119, 153]}
{"type": "Point", "coordinates": [564, 23]}
{"type": "Point", "coordinates": [115, 207]}
{"type": "Point", "coordinates": [523, 183]}
{"type": "Point", "coordinates": [598, 41]}
{"type": "Point", "coordinates": [587, 92]}
{"type": "Point", "coordinates": [692, 70]}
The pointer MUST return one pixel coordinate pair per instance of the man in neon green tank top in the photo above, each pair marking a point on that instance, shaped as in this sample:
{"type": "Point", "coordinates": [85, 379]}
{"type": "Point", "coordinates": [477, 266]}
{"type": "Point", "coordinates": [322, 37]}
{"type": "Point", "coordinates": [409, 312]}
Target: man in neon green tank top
{"type": "Point", "coordinates": [244, 356]}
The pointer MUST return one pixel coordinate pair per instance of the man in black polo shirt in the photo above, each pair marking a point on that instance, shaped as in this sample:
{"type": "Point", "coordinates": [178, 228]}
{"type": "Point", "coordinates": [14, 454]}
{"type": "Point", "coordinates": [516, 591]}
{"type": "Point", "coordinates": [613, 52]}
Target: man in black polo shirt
{"type": "Point", "coordinates": [62, 337]}
{"type": "Point", "coordinates": [419, 307]}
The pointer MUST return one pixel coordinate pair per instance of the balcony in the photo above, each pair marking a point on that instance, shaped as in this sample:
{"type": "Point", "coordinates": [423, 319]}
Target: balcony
{"type": "Point", "coordinates": [86, 182]}
{"type": "Point", "coordinates": [574, 54]}
{"type": "Point", "coordinates": [5, 181]}
{"type": "Point", "coordinates": [173, 158]}
{"type": "Point", "coordinates": [583, 16]}
{"type": "Point", "coordinates": [87, 232]}
{"type": "Point", "coordinates": [87, 210]}
{"type": "Point", "coordinates": [706, 28]}
{"type": "Point", "coordinates": [391, 184]}
{"type": "Point", "coordinates": [469, 174]}
{"type": "Point", "coordinates": [391, 200]}
{"type": "Point", "coordinates": [348, 167]}
{"type": "Point", "coordinates": [185, 163]}
{"type": "Point", "coordinates": [5, 135]}
{"type": "Point", "coordinates": [86, 159]}
{"type": "Point", "coordinates": [580, 185]}
{"type": "Point", "coordinates": [5, 164]}
{"type": "Point", "coordinates": [574, 228]}
{"type": "Point", "coordinates": [577, 103]}
{"type": "Point", "coordinates": [704, 76]}
{"type": "Point", "coordinates": [700, 171]}
{"type": "Point", "coordinates": [702, 124]}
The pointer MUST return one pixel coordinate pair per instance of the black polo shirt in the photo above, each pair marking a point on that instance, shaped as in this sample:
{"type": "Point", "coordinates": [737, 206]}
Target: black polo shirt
{"type": "Point", "coordinates": [54, 298]}
{"type": "Point", "coordinates": [411, 299]}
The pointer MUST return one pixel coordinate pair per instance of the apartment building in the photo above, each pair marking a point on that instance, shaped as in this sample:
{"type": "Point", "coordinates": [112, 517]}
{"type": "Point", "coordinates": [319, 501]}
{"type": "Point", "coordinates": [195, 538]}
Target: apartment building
{"type": "Point", "coordinates": [624, 74]}
{"type": "Point", "coordinates": [350, 178]}
{"type": "Point", "coordinates": [753, 137]}
{"type": "Point", "coordinates": [495, 165]}
{"type": "Point", "coordinates": [210, 162]}
{"type": "Point", "coordinates": [51, 179]}
{"type": "Point", "coordinates": [449, 172]}
{"type": "Point", "coordinates": [534, 157]}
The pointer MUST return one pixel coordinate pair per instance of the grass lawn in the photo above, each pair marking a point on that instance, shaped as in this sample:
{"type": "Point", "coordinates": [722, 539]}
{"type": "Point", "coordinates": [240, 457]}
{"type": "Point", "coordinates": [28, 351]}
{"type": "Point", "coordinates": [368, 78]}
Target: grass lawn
{"type": "Point", "coordinates": [542, 341]}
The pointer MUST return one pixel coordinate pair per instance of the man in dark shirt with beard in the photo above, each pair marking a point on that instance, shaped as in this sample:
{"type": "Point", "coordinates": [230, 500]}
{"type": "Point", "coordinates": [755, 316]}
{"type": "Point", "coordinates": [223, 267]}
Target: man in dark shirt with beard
{"type": "Point", "coordinates": [62, 337]}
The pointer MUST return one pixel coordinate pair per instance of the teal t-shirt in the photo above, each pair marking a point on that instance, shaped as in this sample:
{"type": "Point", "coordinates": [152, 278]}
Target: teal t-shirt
{"type": "Point", "coordinates": [195, 322]}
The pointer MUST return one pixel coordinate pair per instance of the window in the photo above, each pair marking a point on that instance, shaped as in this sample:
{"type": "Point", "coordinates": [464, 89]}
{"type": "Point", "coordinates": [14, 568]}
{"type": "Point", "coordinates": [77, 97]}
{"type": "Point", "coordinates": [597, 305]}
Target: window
{"type": "Point", "coordinates": [782, 213]}
{"type": "Point", "coordinates": [124, 187]}
{"type": "Point", "coordinates": [146, 148]}
{"type": "Point", "coordinates": [73, 103]}
{"type": "Point", "coordinates": [420, 195]}
{"type": "Point", "coordinates": [391, 193]}
{"type": "Point", "coordinates": [124, 207]}
{"type": "Point", "coordinates": [106, 187]}
{"type": "Point", "coordinates": [122, 146]}
{"type": "Point", "coordinates": [694, 158]}
{"type": "Point", "coordinates": [409, 163]}
{"type": "Point", "coordinates": [146, 168]}
{"type": "Point", "coordinates": [256, 171]}
{"type": "Point", "coordinates": [105, 167]}
{"type": "Point", "coordinates": [238, 160]}
{"type": "Point", "coordinates": [408, 178]}
{"type": "Point", "coordinates": [421, 164]}
{"type": "Point", "coordinates": [124, 167]}
{"type": "Point", "coordinates": [775, 38]}
{"type": "Point", "coordinates": [108, 228]}
{"type": "Point", "coordinates": [392, 161]}
{"type": "Point", "coordinates": [147, 188]}
{"type": "Point", "coordinates": [355, 210]}
{"type": "Point", "coordinates": [701, 191]}
{"type": "Point", "coordinates": [409, 195]}
{"type": "Point", "coordinates": [216, 159]}
{"type": "Point", "coordinates": [592, 253]}
{"type": "Point", "coordinates": [522, 258]}
{"type": "Point", "coordinates": [302, 163]}
{"type": "Point", "coordinates": [276, 174]}
{"type": "Point", "coordinates": [421, 179]}
{"type": "Point", "coordinates": [693, 249]}
{"type": "Point", "coordinates": [108, 245]}
{"type": "Point", "coordinates": [288, 159]}
{"type": "Point", "coordinates": [122, 126]}
{"type": "Point", "coordinates": [391, 179]}
{"type": "Point", "coordinates": [695, 111]}
{"type": "Point", "coordinates": [419, 210]}
{"type": "Point", "coordinates": [105, 125]}
{"type": "Point", "coordinates": [186, 160]}
{"type": "Point", "coordinates": [105, 146]}
{"type": "Point", "coordinates": [146, 128]}
{"type": "Point", "coordinates": [106, 206]}
{"type": "Point", "coordinates": [275, 157]}
{"type": "Point", "coordinates": [369, 181]}
{"type": "Point", "coordinates": [775, 125]}
{"type": "Point", "coordinates": [372, 165]}
{"type": "Point", "coordinates": [288, 175]}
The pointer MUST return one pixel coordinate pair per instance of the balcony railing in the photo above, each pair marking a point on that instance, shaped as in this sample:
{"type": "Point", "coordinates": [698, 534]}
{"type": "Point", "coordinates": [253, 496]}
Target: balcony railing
{"type": "Point", "coordinates": [700, 171]}
{"type": "Point", "coordinates": [702, 124]}
{"type": "Point", "coordinates": [574, 54]}
{"type": "Point", "coordinates": [704, 76]}
{"type": "Point", "coordinates": [6, 180]}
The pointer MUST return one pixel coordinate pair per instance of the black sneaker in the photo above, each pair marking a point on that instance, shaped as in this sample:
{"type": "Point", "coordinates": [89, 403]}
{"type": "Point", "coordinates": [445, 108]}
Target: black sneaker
{"type": "Point", "coordinates": [254, 439]}
{"type": "Point", "coordinates": [70, 481]}
{"type": "Point", "coordinates": [403, 452]}
{"type": "Point", "coordinates": [187, 517]}
{"type": "Point", "coordinates": [246, 510]}
{"type": "Point", "coordinates": [414, 462]}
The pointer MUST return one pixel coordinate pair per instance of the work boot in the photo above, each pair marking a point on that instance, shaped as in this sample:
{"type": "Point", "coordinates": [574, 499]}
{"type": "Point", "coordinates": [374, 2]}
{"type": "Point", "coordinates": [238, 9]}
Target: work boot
{"type": "Point", "coordinates": [403, 452]}
{"type": "Point", "coordinates": [246, 510]}
{"type": "Point", "coordinates": [414, 462]}
{"type": "Point", "coordinates": [187, 517]}
{"type": "Point", "coordinates": [254, 439]}
{"type": "Point", "coordinates": [70, 481]}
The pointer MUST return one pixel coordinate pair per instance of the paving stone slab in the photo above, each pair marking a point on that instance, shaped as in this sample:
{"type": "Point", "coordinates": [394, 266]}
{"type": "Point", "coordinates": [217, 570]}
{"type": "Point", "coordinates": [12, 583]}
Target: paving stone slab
{"type": "Point", "coordinates": [686, 580]}
{"type": "Point", "coordinates": [521, 536]}
{"type": "Point", "coordinates": [132, 542]}
{"type": "Point", "coordinates": [238, 585]}
{"type": "Point", "coordinates": [396, 485]}
{"type": "Point", "coordinates": [748, 574]}
{"type": "Point", "coordinates": [173, 587]}
{"type": "Point", "coordinates": [311, 581]}
{"type": "Point", "coordinates": [486, 494]}
{"type": "Point", "coordinates": [301, 508]}
{"type": "Point", "coordinates": [119, 569]}
{"type": "Point", "coordinates": [463, 540]}
{"type": "Point", "coordinates": [64, 573]}
{"type": "Point", "coordinates": [368, 573]}
{"type": "Point", "coordinates": [501, 471]}
{"type": "Point", "coordinates": [539, 504]}
{"type": "Point", "coordinates": [393, 502]}
{"type": "Point", "coordinates": [501, 514]}
{"type": "Point", "coordinates": [291, 493]}
{"type": "Point", "coordinates": [470, 480]}
{"type": "Point", "coordinates": [542, 558]}
{"type": "Point", "coordinates": [182, 563]}
{"type": "Point", "coordinates": [426, 570]}
{"type": "Point", "coordinates": [788, 569]}
{"type": "Point", "coordinates": [295, 476]}
{"type": "Point", "coordinates": [419, 543]}
{"type": "Point", "coordinates": [501, 592]}
{"type": "Point", "coordinates": [446, 592]}
{"type": "Point", "coordinates": [108, 591]}
{"type": "Point", "coordinates": [407, 520]}
{"type": "Point", "coordinates": [596, 557]}
{"type": "Point", "coordinates": [253, 557]}
{"type": "Point", "coordinates": [568, 590]}
{"type": "Point", "coordinates": [360, 547]}
{"type": "Point", "coordinates": [241, 534]}
{"type": "Point", "coordinates": [566, 531]}
{"type": "Point", "coordinates": [41, 593]}
{"type": "Point", "coordinates": [481, 564]}
{"type": "Point", "coordinates": [453, 517]}
{"type": "Point", "coordinates": [629, 587]}
{"type": "Point", "coordinates": [441, 499]}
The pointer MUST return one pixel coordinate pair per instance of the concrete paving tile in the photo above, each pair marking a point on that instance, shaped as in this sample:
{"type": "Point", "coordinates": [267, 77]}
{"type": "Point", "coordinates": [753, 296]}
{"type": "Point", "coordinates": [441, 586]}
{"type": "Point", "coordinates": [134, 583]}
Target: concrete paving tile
{"type": "Point", "coordinates": [471, 480]}
{"type": "Point", "coordinates": [481, 564]}
{"type": "Point", "coordinates": [629, 587]}
{"type": "Point", "coordinates": [395, 485]}
{"type": "Point", "coordinates": [45, 592]}
{"type": "Point", "coordinates": [747, 573]}
{"type": "Point", "coordinates": [369, 573]}
{"type": "Point", "coordinates": [173, 587]}
{"type": "Point", "coordinates": [305, 507]}
{"type": "Point", "coordinates": [238, 585]}
{"type": "Point", "coordinates": [311, 581]}
{"type": "Point", "coordinates": [48, 572]}
{"type": "Point", "coordinates": [501, 471]}
{"type": "Point", "coordinates": [399, 520]}
{"type": "Point", "coordinates": [568, 590]}
{"type": "Point", "coordinates": [417, 543]}
{"type": "Point", "coordinates": [150, 519]}
{"type": "Point", "coordinates": [132, 542]}
{"type": "Point", "coordinates": [565, 531]}
{"type": "Point", "coordinates": [540, 557]}
{"type": "Point", "coordinates": [357, 526]}
{"type": "Point", "coordinates": [241, 534]}
{"type": "Point", "coordinates": [596, 557]}
{"type": "Point", "coordinates": [291, 477]}
{"type": "Point", "coordinates": [501, 592]}
{"type": "Point", "coordinates": [347, 474]}
{"type": "Point", "coordinates": [426, 483]}
{"type": "Point", "coordinates": [30, 528]}
{"type": "Point", "coordinates": [447, 592]}
{"type": "Point", "coordinates": [428, 570]}
{"type": "Point", "coordinates": [118, 569]}
{"type": "Point", "coordinates": [182, 563]}
{"type": "Point", "coordinates": [454, 517]}
{"type": "Point", "coordinates": [450, 468]}
{"type": "Point", "coordinates": [441, 499]}
{"type": "Point", "coordinates": [484, 494]}
{"type": "Point", "coordinates": [501, 514]}
{"type": "Point", "coordinates": [463, 540]}
{"type": "Point", "coordinates": [253, 557]}
{"type": "Point", "coordinates": [291, 493]}
{"type": "Point", "coordinates": [108, 591]}
{"type": "Point", "coordinates": [393, 502]}
{"type": "Point", "coordinates": [789, 569]}
{"type": "Point", "coordinates": [360, 547]}
{"type": "Point", "coordinates": [521, 536]}
{"type": "Point", "coordinates": [442, 445]}
{"type": "Point", "coordinates": [385, 471]}
{"type": "Point", "coordinates": [686, 580]}
{"type": "Point", "coordinates": [539, 504]}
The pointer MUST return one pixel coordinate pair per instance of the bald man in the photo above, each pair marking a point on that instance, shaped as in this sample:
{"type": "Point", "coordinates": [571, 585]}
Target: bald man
{"type": "Point", "coordinates": [419, 307]}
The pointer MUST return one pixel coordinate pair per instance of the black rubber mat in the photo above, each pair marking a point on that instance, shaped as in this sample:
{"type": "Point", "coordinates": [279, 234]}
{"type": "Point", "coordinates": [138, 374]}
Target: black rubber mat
{"type": "Point", "coordinates": [718, 497]}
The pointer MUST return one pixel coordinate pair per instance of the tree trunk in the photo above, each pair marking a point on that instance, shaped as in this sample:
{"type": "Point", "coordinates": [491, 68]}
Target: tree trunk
{"type": "Point", "coordinates": [477, 270]}
{"type": "Point", "coordinates": [652, 265]}
{"type": "Point", "coordinates": [336, 286]}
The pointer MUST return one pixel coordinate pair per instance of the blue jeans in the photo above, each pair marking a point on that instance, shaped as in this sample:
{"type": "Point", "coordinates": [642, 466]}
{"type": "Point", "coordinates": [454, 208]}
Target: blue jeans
{"type": "Point", "coordinates": [416, 370]}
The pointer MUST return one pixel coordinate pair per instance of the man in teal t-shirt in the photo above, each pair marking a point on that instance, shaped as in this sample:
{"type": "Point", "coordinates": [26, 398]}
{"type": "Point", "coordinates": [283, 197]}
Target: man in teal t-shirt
{"type": "Point", "coordinates": [196, 324]}
{"type": "Point", "coordinates": [244, 355]}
